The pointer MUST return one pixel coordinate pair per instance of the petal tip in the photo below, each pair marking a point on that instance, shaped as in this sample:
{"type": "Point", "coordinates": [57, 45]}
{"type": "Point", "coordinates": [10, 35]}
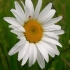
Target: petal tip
{"type": "Point", "coordinates": [19, 59]}
{"type": "Point", "coordinates": [9, 53]}
{"type": "Point", "coordinates": [22, 63]}
{"type": "Point", "coordinates": [63, 32]}
{"type": "Point", "coordinates": [15, 2]}
{"type": "Point", "coordinates": [60, 45]}
{"type": "Point", "coordinates": [4, 18]}
{"type": "Point", "coordinates": [50, 3]}
{"type": "Point", "coordinates": [60, 17]}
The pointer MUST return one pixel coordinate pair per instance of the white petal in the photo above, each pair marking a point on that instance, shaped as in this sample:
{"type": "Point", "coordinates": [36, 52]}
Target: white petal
{"type": "Point", "coordinates": [51, 41]}
{"type": "Point", "coordinates": [31, 54]}
{"type": "Point", "coordinates": [16, 47]}
{"type": "Point", "coordinates": [35, 53]}
{"type": "Point", "coordinates": [19, 9]}
{"type": "Point", "coordinates": [26, 9]}
{"type": "Point", "coordinates": [21, 37]}
{"type": "Point", "coordinates": [48, 48]}
{"type": "Point", "coordinates": [16, 32]}
{"type": "Point", "coordinates": [54, 48]}
{"type": "Point", "coordinates": [47, 17]}
{"type": "Point", "coordinates": [40, 60]}
{"type": "Point", "coordinates": [12, 21]}
{"type": "Point", "coordinates": [37, 10]}
{"type": "Point", "coordinates": [45, 10]}
{"type": "Point", "coordinates": [22, 3]}
{"type": "Point", "coordinates": [17, 28]}
{"type": "Point", "coordinates": [51, 34]}
{"type": "Point", "coordinates": [25, 58]}
{"type": "Point", "coordinates": [29, 5]}
{"type": "Point", "coordinates": [27, 14]}
{"type": "Point", "coordinates": [59, 32]}
{"type": "Point", "coordinates": [18, 16]}
{"type": "Point", "coordinates": [52, 21]}
{"type": "Point", "coordinates": [52, 27]}
{"type": "Point", "coordinates": [43, 51]}
{"type": "Point", "coordinates": [19, 33]}
{"type": "Point", "coordinates": [23, 51]}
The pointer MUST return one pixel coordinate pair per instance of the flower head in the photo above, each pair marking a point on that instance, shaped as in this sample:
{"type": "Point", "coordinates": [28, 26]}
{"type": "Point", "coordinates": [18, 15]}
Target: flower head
{"type": "Point", "coordinates": [37, 32]}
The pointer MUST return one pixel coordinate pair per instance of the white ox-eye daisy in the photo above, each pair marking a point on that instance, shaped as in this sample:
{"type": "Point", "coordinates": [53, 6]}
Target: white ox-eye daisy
{"type": "Point", "coordinates": [37, 32]}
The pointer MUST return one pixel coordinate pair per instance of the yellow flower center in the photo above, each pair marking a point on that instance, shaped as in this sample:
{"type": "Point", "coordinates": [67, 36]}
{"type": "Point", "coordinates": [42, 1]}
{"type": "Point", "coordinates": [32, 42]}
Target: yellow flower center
{"type": "Point", "coordinates": [33, 31]}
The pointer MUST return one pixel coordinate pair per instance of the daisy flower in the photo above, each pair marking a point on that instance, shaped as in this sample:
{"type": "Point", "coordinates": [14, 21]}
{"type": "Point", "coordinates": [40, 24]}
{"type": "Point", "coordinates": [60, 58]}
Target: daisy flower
{"type": "Point", "coordinates": [36, 31]}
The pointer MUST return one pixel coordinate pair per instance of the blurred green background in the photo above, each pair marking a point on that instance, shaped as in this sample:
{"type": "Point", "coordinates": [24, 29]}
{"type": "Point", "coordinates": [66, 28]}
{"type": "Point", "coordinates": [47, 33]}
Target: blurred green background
{"type": "Point", "coordinates": [8, 39]}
